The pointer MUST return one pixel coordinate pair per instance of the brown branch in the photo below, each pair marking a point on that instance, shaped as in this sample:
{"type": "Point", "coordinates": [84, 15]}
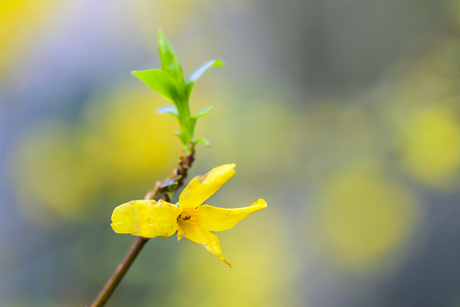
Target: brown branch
{"type": "Point", "coordinates": [166, 187]}
{"type": "Point", "coordinates": [120, 272]}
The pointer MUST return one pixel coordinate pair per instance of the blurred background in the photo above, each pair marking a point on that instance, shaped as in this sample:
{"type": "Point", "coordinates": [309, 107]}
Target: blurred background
{"type": "Point", "coordinates": [343, 115]}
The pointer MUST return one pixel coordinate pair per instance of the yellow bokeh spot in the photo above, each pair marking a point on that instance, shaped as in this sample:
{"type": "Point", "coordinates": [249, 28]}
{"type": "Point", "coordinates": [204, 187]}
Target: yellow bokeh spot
{"type": "Point", "coordinates": [129, 141]}
{"type": "Point", "coordinates": [20, 21]}
{"type": "Point", "coordinates": [61, 169]}
{"type": "Point", "coordinates": [50, 173]}
{"type": "Point", "coordinates": [431, 146]}
{"type": "Point", "coordinates": [364, 217]}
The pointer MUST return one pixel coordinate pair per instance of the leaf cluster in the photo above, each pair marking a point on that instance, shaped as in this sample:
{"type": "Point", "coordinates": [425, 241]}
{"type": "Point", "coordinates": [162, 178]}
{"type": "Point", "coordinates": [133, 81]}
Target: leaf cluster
{"type": "Point", "coordinates": [171, 84]}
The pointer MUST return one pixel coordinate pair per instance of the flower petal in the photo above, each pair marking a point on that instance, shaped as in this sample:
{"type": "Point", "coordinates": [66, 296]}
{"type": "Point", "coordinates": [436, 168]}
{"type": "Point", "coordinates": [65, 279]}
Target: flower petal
{"type": "Point", "coordinates": [146, 218]}
{"type": "Point", "coordinates": [194, 233]}
{"type": "Point", "coordinates": [218, 219]}
{"type": "Point", "coordinates": [202, 187]}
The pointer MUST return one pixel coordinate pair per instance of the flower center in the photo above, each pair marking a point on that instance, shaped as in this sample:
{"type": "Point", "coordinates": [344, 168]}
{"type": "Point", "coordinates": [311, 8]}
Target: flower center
{"type": "Point", "coordinates": [184, 217]}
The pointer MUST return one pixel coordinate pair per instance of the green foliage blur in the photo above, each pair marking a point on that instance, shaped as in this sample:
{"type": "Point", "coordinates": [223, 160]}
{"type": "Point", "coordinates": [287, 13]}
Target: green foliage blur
{"type": "Point", "coordinates": [344, 117]}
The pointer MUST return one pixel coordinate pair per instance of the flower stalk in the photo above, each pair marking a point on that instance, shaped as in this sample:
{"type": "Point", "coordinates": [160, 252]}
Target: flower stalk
{"type": "Point", "coordinates": [120, 272]}
{"type": "Point", "coordinates": [190, 218]}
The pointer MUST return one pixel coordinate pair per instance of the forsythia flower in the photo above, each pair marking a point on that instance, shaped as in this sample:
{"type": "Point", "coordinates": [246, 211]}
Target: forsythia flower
{"type": "Point", "coordinates": [191, 219]}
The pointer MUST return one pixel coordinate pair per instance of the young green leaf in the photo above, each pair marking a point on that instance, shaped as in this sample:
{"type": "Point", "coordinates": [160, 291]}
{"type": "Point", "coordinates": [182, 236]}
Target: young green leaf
{"type": "Point", "coordinates": [203, 141]}
{"type": "Point", "coordinates": [197, 73]}
{"type": "Point", "coordinates": [202, 112]}
{"type": "Point", "coordinates": [159, 81]}
{"type": "Point", "coordinates": [169, 61]}
{"type": "Point", "coordinates": [169, 110]}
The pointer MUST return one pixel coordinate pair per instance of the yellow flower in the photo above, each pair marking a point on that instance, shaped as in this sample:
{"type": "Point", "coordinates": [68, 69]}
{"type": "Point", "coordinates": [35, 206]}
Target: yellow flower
{"type": "Point", "coordinates": [191, 219]}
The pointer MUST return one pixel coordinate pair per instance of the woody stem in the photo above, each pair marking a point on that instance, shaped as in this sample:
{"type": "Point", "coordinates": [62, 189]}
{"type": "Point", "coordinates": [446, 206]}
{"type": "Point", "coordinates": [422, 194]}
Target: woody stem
{"type": "Point", "coordinates": [120, 272]}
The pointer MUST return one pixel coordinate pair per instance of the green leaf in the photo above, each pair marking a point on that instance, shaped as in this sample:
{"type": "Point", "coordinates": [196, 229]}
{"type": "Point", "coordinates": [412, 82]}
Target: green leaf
{"type": "Point", "coordinates": [159, 81]}
{"type": "Point", "coordinates": [197, 73]}
{"type": "Point", "coordinates": [203, 141]}
{"type": "Point", "coordinates": [168, 110]}
{"type": "Point", "coordinates": [202, 112]}
{"type": "Point", "coordinates": [169, 61]}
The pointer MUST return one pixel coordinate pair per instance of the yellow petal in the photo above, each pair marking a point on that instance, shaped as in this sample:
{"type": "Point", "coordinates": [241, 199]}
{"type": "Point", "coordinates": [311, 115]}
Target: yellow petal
{"type": "Point", "coordinates": [218, 219]}
{"type": "Point", "coordinates": [146, 218]}
{"type": "Point", "coordinates": [194, 233]}
{"type": "Point", "coordinates": [202, 187]}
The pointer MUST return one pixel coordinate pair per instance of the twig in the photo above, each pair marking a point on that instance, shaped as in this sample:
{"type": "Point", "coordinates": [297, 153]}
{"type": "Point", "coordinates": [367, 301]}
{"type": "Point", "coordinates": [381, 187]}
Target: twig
{"type": "Point", "coordinates": [120, 272]}
{"type": "Point", "coordinates": [166, 187]}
